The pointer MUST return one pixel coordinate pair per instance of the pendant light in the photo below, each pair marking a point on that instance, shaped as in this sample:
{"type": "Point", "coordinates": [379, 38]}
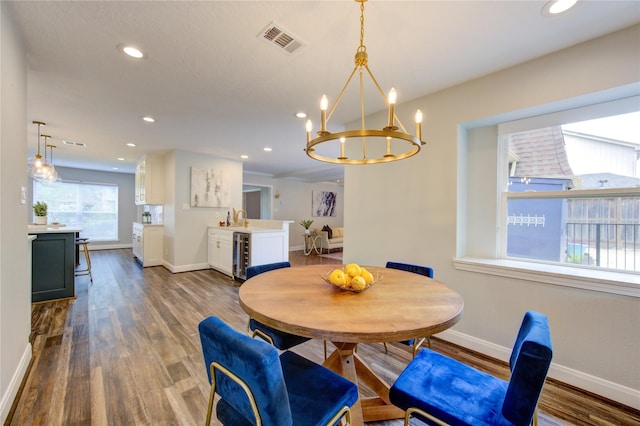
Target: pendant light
{"type": "Point", "coordinates": [54, 178]}
{"type": "Point", "coordinates": [38, 168]}
{"type": "Point", "coordinates": [390, 143]}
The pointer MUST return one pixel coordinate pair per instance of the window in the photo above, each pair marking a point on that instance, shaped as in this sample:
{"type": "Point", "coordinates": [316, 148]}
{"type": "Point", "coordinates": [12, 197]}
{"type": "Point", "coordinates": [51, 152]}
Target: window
{"type": "Point", "coordinates": [486, 202]}
{"type": "Point", "coordinates": [93, 206]}
{"type": "Point", "coordinates": [572, 193]}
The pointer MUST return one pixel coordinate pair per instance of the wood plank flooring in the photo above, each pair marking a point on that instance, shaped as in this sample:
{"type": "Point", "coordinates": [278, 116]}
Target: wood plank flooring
{"type": "Point", "coordinates": [126, 352]}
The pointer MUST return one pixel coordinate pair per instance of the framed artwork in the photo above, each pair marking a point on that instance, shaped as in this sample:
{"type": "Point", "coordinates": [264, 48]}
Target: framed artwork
{"type": "Point", "coordinates": [323, 203]}
{"type": "Point", "coordinates": [209, 188]}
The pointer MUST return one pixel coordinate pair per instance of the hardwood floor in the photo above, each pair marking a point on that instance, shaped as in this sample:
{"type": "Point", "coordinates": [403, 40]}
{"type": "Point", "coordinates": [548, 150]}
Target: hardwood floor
{"type": "Point", "coordinates": [126, 351]}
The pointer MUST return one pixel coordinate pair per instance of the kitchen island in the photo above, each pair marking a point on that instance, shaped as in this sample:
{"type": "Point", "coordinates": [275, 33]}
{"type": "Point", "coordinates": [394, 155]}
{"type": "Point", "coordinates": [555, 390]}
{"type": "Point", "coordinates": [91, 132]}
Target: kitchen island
{"type": "Point", "coordinates": [53, 259]}
{"type": "Point", "coordinates": [233, 248]}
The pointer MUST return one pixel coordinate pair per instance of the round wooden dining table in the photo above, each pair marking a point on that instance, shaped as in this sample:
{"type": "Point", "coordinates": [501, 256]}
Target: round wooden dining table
{"type": "Point", "coordinates": [400, 306]}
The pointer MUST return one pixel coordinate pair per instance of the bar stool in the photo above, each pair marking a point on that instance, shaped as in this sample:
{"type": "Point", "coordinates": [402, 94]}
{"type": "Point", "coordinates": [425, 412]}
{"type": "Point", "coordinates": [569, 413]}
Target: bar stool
{"type": "Point", "coordinates": [83, 242]}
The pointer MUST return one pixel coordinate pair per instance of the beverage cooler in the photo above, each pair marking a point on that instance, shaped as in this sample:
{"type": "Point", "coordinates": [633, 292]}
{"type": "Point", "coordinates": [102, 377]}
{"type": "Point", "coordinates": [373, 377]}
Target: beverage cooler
{"type": "Point", "coordinates": [241, 254]}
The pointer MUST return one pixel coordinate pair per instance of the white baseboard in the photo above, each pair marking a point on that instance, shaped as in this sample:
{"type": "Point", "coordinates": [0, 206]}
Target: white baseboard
{"type": "Point", "coordinates": [16, 380]}
{"type": "Point", "coordinates": [593, 384]}
{"type": "Point", "coordinates": [184, 268]}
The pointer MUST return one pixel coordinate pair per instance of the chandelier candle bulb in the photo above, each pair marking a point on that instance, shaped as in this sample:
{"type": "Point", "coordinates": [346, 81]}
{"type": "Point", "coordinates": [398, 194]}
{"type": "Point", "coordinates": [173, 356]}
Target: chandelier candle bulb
{"type": "Point", "coordinates": [342, 141]}
{"type": "Point", "coordinates": [419, 125]}
{"type": "Point", "coordinates": [309, 129]}
{"type": "Point", "coordinates": [324, 104]}
{"type": "Point", "coordinates": [392, 105]}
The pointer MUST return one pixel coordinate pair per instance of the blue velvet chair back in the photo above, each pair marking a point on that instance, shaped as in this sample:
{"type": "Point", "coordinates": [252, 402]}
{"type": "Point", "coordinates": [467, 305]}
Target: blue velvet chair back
{"type": "Point", "coordinates": [252, 271]}
{"type": "Point", "coordinates": [416, 269]}
{"type": "Point", "coordinates": [529, 363]}
{"type": "Point", "coordinates": [255, 362]}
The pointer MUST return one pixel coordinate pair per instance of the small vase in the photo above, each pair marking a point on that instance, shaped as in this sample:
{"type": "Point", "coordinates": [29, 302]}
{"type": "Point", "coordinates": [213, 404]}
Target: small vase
{"type": "Point", "coordinates": [307, 232]}
{"type": "Point", "coordinates": [41, 220]}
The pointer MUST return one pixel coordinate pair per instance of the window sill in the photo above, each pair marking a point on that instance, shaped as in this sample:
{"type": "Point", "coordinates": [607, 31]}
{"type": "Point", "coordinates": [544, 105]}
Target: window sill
{"type": "Point", "coordinates": [625, 284]}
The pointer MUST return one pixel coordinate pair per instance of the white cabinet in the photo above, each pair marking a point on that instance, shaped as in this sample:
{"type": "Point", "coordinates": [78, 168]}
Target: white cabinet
{"type": "Point", "coordinates": [149, 180]}
{"type": "Point", "coordinates": [220, 250]}
{"type": "Point", "coordinates": [269, 247]}
{"type": "Point", "coordinates": [148, 244]}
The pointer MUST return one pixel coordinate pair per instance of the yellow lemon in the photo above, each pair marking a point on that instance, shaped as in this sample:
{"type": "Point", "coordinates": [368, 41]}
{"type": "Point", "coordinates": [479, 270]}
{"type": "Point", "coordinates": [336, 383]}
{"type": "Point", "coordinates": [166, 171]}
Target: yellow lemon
{"type": "Point", "coordinates": [352, 269]}
{"type": "Point", "coordinates": [368, 276]}
{"type": "Point", "coordinates": [358, 283]}
{"type": "Point", "coordinates": [337, 277]}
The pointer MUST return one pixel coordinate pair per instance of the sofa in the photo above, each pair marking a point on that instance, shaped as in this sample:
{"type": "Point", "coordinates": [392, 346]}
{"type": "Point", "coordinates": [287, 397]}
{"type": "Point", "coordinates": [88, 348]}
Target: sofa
{"type": "Point", "coordinates": [334, 242]}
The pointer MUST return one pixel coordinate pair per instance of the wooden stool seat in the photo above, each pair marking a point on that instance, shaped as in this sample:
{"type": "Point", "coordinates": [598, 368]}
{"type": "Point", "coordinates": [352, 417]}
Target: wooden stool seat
{"type": "Point", "coordinates": [83, 243]}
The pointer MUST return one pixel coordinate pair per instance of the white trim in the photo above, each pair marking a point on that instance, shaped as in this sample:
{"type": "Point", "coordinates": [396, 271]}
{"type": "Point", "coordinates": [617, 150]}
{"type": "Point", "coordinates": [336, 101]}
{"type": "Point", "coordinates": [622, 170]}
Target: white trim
{"type": "Point", "coordinates": [184, 268]}
{"type": "Point", "coordinates": [579, 379]}
{"type": "Point", "coordinates": [625, 284]}
{"type": "Point", "coordinates": [14, 384]}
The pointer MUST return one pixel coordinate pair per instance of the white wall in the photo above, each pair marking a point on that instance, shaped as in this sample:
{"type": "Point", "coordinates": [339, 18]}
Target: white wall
{"type": "Point", "coordinates": [15, 287]}
{"type": "Point", "coordinates": [185, 240]}
{"type": "Point", "coordinates": [418, 207]}
{"type": "Point", "coordinates": [127, 209]}
{"type": "Point", "coordinates": [294, 204]}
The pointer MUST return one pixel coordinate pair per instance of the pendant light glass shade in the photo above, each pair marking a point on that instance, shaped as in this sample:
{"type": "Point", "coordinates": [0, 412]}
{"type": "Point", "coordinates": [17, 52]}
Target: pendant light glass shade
{"type": "Point", "coordinates": [53, 179]}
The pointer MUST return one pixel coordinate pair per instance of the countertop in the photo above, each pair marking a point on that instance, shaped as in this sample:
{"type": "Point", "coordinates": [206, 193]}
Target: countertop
{"type": "Point", "coordinates": [53, 229]}
{"type": "Point", "coordinates": [148, 224]}
{"type": "Point", "coordinates": [248, 230]}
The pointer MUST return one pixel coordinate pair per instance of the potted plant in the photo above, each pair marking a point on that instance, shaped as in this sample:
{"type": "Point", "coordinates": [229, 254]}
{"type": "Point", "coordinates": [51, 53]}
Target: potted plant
{"type": "Point", "coordinates": [306, 224]}
{"type": "Point", "coordinates": [40, 213]}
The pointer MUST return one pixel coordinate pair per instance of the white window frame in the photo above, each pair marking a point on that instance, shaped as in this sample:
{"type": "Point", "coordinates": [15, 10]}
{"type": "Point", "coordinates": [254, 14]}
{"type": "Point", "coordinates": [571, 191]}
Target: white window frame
{"type": "Point", "coordinates": [497, 263]}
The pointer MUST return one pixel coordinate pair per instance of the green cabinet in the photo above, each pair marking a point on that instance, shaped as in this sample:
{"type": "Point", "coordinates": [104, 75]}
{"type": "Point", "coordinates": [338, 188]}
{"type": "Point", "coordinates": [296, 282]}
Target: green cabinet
{"type": "Point", "coordinates": [53, 266]}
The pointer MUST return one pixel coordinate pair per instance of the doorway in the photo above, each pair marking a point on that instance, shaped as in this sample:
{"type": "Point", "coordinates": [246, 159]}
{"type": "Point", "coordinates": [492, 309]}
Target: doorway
{"type": "Point", "coordinates": [256, 201]}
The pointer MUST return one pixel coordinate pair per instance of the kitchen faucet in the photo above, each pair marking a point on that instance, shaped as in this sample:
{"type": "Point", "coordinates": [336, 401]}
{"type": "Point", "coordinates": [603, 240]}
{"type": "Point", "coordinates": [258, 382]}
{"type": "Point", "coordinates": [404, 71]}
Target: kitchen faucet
{"type": "Point", "coordinates": [236, 216]}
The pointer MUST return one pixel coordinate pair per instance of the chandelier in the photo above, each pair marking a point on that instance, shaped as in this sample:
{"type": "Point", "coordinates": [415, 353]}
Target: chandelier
{"type": "Point", "coordinates": [391, 143]}
{"type": "Point", "coordinates": [39, 168]}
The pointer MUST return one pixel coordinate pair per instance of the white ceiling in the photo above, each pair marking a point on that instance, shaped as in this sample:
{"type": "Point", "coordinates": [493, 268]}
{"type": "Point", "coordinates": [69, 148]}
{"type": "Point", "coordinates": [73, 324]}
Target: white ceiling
{"type": "Point", "coordinates": [216, 88]}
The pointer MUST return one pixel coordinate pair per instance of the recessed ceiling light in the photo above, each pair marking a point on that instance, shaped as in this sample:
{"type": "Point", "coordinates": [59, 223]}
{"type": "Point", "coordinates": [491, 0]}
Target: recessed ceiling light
{"type": "Point", "coordinates": [268, 149]}
{"type": "Point", "coordinates": [114, 168]}
{"type": "Point", "coordinates": [244, 157]}
{"type": "Point", "coordinates": [149, 119]}
{"type": "Point", "coordinates": [301, 114]}
{"type": "Point", "coordinates": [120, 159]}
{"type": "Point", "coordinates": [131, 144]}
{"type": "Point", "coordinates": [132, 51]}
{"type": "Point", "coordinates": [555, 7]}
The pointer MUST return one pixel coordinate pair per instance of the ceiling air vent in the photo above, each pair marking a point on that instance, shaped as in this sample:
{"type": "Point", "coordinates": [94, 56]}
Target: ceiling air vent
{"type": "Point", "coordinates": [283, 39]}
{"type": "Point", "coordinates": [74, 143]}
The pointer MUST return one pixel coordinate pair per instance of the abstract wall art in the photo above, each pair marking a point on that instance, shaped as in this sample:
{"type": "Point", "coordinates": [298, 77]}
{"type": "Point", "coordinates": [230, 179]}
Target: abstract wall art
{"type": "Point", "coordinates": [323, 203]}
{"type": "Point", "coordinates": [209, 188]}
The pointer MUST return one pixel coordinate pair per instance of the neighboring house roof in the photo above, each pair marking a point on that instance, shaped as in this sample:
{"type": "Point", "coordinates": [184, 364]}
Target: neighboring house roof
{"type": "Point", "coordinates": [548, 159]}
{"type": "Point", "coordinates": [606, 180]}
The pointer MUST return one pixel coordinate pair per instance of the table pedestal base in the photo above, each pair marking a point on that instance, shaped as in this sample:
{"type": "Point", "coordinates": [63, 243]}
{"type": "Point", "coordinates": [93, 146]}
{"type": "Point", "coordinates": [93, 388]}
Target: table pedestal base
{"type": "Point", "coordinates": [347, 363]}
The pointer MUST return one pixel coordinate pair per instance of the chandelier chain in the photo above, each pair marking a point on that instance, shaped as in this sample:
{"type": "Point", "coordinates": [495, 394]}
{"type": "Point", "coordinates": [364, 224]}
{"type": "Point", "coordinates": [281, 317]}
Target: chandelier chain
{"type": "Point", "coordinates": [362, 47]}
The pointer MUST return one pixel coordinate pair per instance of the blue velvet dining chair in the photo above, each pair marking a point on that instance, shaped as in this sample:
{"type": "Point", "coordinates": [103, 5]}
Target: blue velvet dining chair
{"type": "Point", "coordinates": [441, 390]}
{"type": "Point", "coordinates": [257, 386]}
{"type": "Point", "coordinates": [277, 338]}
{"type": "Point", "coordinates": [427, 271]}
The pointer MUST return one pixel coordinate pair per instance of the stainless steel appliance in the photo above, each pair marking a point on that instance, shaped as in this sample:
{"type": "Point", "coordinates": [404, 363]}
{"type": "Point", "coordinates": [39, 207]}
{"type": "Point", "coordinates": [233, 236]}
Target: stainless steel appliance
{"type": "Point", "coordinates": [241, 254]}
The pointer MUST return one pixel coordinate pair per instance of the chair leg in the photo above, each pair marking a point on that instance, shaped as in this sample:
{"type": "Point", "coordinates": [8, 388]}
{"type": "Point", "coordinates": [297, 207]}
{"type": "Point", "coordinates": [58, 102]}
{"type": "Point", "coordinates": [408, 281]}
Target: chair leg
{"type": "Point", "coordinates": [386, 351]}
{"type": "Point", "coordinates": [212, 393]}
{"type": "Point", "coordinates": [87, 270]}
